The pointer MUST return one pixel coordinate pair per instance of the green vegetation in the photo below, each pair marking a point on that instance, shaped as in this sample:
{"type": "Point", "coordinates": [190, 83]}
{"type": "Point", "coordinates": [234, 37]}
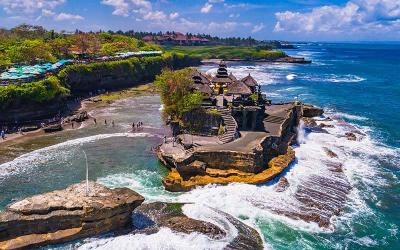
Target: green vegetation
{"type": "Point", "coordinates": [228, 52]}
{"type": "Point", "coordinates": [176, 90]}
{"type": "Point", "coordinates": [34, 92]}
{"type": "Point", "coordinates": [26, 44]}
{"type": "Point", "coordinates": [82, 78]}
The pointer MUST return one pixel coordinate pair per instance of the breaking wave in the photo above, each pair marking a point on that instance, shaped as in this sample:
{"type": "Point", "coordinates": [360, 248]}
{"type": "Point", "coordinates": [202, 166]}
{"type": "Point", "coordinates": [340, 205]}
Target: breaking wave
{"type": "Point", "coordinates": [58, 152]}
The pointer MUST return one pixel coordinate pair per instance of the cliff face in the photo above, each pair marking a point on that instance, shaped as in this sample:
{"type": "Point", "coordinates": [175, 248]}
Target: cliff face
{"type": "Point", "coordinates": [65, 215]}
{"type": "Point", "coordinates": [80, 79]}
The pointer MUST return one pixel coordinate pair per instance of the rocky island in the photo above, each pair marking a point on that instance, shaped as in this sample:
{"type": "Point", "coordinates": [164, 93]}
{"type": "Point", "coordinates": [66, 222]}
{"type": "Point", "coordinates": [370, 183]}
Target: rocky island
{"type": "Point", "coordinates": [234, 135]}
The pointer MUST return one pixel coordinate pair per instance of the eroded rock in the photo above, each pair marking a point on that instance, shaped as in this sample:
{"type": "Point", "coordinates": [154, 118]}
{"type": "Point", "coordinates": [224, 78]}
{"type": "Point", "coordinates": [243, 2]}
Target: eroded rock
{"type": "Point", "coordinates": [330, 153]}
{"type": "Point", "coordinates": [350, 136]}
{"type": "Point", "coordinates": [311, 111]}
{"type": "Point", "coordinates": [282, 185]}
{"type": "Point", "coordinates": [149, 218]}
{"type": "Point", "coordinates": [65, 215]}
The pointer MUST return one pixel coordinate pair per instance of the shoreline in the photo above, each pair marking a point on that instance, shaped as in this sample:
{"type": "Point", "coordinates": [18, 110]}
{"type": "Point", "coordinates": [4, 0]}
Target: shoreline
{"type": "Point", "coordinates": [87, 104]}
{"type": "Point", "coordinates": [287, 59]}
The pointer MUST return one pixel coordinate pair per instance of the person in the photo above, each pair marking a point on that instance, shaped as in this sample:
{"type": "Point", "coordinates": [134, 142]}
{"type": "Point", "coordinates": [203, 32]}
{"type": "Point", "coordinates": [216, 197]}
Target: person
{"type": "Point", "coordinates": [72, 124]}
{"type": "Point", "coordinates": [95, 121]}
{"type": "Point", "coordinates": [105, 122]}
{"type": "Point", "coordinates": [3, 134]}
{"type": "Point", "coordinates": [133, 126]}
{"type": "Point", "coordinates": [113, 124]}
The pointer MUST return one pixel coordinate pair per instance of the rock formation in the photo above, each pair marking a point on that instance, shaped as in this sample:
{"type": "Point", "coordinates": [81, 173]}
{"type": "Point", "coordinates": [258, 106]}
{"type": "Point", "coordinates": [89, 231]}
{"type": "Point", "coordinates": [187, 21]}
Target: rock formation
{"type": "Point", "coordinates": [311, 111]}
{"type": "Point", "coordinates": [175, 183]}
{"type": "Point", "coordinates": [65, 215]}
{"type": "Point", "coordinates": [149, 218]}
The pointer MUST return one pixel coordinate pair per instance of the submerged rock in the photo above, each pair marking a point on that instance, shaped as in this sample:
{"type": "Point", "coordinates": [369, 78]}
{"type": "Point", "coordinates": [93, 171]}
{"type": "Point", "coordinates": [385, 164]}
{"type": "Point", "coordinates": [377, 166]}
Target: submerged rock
{"type": "Point", "coordinates": [65, 215]}
{"type": "Point", "coordinates": [330, 153]}
{"type": "Point", "coordinates": [149, 218]}
{"type": "Point", "coordinates": [350, 136]}
{"type": "Point", "coordinates": [282, 185]}
{"type": "Point", "coordinates": [309, 122]}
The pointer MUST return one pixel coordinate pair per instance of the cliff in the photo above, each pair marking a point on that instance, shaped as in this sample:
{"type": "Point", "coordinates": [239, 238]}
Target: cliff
{"type": "Point", "coordinates": [65, 215]}
{"type": "Point", "coordinates": [33, 101]}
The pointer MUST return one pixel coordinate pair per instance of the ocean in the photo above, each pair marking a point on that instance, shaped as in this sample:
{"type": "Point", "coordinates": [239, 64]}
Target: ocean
{"type": "Point", "coordinates": [356, 84]}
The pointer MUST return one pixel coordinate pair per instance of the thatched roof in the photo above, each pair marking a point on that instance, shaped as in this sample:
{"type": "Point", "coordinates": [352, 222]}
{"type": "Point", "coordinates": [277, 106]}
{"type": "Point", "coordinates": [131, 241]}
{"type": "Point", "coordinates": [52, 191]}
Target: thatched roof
{"type": "Point", "coordinates": [203, 88]}
{"type": "Point", "coordinates": [249, 81]}
{"type": "Point", "coordinates": [238, 88]}
{"type": "Point", "coordinates": [232, 77]}
{"type": "Point", "coordinates": [200, 78]}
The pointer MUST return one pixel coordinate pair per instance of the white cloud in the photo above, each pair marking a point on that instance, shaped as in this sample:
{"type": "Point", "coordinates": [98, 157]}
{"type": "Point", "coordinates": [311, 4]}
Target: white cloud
{"type": "Point", "coordinates": [154, 15]}
{"type": "Point", "coordinates": [28, 6]}
{"type": "Point", "coordinates": [121, 8]}
{"type": "Point", "coordinates": [258, 28]}
{"type": "Point", "coordinates": [173, 15]}
{"type": "Point", "coordinates": [141, 9]}
{"type": "Point", "coordinates": [206, 8]}
{"type": "Point", "coordinates": [67, 17]}
{"type": "Point", "coordinates": [354, 16]}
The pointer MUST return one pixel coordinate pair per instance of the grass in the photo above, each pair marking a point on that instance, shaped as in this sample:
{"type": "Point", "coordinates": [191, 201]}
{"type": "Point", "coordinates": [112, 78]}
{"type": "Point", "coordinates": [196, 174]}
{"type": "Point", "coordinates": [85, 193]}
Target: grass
{"type": "Point", "coordinates": [141, 90]}
{"type": "Point", "coordinates": [227, 52]}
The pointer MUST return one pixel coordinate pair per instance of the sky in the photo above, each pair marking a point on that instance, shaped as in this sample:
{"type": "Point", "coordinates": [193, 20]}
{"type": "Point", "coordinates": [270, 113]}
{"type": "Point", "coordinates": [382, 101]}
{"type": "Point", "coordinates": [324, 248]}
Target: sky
{"type": "Point", "coordinates": [292, 20]}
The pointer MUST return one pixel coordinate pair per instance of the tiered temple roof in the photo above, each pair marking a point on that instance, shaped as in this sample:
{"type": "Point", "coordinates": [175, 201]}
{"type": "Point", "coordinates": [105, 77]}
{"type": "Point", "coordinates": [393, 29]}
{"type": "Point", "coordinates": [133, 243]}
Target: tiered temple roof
{"type": "Point", "coordinates": [249, 81]}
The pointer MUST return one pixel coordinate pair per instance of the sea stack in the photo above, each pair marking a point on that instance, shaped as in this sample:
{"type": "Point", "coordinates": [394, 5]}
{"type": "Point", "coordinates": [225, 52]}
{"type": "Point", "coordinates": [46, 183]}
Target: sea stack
{"type": "Point", "coordinates": [65, 215]}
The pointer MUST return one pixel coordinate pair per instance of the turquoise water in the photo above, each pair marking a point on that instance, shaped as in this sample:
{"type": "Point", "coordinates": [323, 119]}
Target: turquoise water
{"type": "Point", "coordinates": [357, 84]}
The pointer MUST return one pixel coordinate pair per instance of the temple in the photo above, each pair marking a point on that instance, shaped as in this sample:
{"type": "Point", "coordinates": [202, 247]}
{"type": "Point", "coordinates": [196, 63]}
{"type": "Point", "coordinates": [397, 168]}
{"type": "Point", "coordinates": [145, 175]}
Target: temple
{"type": "Point", "coordinates": [224, 91]}
{"type": "Point", "coordinates": [237, 135]}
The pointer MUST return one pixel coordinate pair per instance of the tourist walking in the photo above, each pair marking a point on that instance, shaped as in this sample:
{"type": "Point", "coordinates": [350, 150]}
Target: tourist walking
{"type": "Point", "coordinates": [72, 125]}
{"type": "Point", "coordinates": [3, 134]}
{"type": "Point", "coordinates": [95, 121]}
{"type": "Point", "coordinates": [105, 122]}
{"type": "Point", "coordinates": [113, 124]}
{"type": "Point", "coordinates": [133, 126]}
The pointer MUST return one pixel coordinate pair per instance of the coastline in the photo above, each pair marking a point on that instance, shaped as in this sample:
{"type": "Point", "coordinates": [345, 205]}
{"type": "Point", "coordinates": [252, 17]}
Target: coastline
{"type": "Point", "coordinates": [287, 59]}
{"type": "Point", "coordinates": [86, 104]}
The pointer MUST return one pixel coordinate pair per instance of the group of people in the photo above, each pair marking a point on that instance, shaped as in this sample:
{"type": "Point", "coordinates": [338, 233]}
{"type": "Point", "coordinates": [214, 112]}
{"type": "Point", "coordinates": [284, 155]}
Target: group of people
{"type": "Point", "coordinates": [138, 125]}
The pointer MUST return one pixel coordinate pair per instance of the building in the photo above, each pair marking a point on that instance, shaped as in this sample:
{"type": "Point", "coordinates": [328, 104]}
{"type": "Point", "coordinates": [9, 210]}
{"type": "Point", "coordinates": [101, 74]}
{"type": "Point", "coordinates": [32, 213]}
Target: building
{"type": "Point", "coordinates": [176, 38]}
{"type": "Point", "coordinates": [242, 97]}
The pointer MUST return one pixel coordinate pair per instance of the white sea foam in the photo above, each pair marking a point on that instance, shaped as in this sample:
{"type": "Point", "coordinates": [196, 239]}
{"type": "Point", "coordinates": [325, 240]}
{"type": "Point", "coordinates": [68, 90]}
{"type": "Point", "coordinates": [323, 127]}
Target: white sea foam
{"type": "Point", "coordinates": [166, 239]}
{"type": "Point", "coordinates": [334, 78]}
{"type": "Point", "coordinates": [163, 239]}
{"type": "Point", "coordinates": [291, 77]}
{"type": "Point", "coordinates": [59, 152]}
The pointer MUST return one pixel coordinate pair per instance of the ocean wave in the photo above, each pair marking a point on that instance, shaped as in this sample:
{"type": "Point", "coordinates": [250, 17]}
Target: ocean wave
{"type": "Point", "coordinates": [59, 152]}
{"type": "Point", "coordinates": [334, 78]}
{"type": "Point", "coordinates": [291, 77]}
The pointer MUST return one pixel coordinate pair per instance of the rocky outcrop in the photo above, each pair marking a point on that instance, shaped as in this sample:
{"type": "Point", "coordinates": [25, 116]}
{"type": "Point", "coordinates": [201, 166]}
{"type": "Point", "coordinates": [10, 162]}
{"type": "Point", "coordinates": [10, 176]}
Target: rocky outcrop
{"type": "Point", "coordinates": [350, 136]}
{"type": "Point", "coordinates": [53, 128]}
{"type": "Point", "coordinates": [175, 183]}
{"type": "Point", "coordinates": [330, 153]}
{"type": "Point", "coordinates": [149, 218]}
{"type": "Point", "coordinates": [78, 117]}
{"type": "Point", "coordinates": [282, 185]}
{"type": "Point", "coordinates": [290, 59]}
{"type": "Point", "coordinates": [311, 111]}
{"type": "Point", "coordinates": [65, 215]}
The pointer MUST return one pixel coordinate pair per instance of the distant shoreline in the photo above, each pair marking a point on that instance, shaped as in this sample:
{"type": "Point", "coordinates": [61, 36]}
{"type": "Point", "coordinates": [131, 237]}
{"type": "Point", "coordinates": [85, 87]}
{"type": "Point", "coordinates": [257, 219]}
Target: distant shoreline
{"type": "Point", "coordinates": [288, 59]}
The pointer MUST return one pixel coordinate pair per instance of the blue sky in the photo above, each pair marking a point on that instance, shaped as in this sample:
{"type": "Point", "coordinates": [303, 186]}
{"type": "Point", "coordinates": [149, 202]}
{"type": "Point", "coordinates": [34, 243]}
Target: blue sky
{"type": "Point", "coordinates": [295, 20]}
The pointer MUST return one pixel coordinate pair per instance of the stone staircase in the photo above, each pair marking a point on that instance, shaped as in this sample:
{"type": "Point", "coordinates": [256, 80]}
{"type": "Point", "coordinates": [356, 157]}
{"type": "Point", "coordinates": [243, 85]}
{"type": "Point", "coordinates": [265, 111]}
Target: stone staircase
{"type": "Point", "coordinates": [274, 119]}
{"type": "Point", "coordinates": [192, 149]}
{"type": "Point", "coordinates": [230, 125]}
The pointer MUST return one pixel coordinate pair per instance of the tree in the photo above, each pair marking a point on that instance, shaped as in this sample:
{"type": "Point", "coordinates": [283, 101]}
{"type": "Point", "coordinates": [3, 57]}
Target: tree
{"type": "Point", "coordinates": [60, 47]}
{"type": "Point", "coordinates": [177, 92]}
{"type": "Point", "coordinates": [30, 51]}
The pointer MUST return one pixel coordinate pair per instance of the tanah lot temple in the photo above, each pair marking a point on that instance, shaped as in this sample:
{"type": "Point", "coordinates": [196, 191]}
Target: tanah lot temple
{"type": "Point", "coordinates": [237, 136]}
